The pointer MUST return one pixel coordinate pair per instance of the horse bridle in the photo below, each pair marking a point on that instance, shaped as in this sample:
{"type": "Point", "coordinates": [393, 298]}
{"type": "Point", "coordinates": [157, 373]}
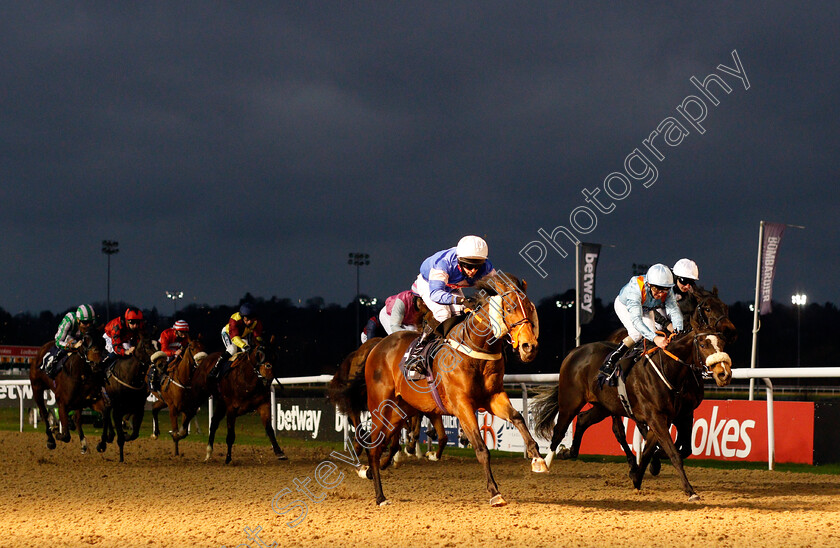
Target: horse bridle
{"type": "Point", "coordinates": [514, 337]}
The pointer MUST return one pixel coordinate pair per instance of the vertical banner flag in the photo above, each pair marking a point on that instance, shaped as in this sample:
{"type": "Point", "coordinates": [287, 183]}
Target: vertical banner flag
{"type": "Point", "coordinates": [769, 252]}
{"type": "Point", "coordinates": [586, 280]}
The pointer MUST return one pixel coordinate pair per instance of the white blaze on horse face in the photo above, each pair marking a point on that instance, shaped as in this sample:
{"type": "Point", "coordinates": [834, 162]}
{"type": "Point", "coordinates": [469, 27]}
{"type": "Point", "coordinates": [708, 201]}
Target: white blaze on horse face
{"type": "Point", "coordinates": [497, 321]}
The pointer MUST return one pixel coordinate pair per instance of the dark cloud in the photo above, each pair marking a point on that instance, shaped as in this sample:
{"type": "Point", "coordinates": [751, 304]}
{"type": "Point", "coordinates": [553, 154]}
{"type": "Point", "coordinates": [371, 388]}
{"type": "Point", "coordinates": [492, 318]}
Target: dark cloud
{"type": "Point", "coordinates": [248, 148]}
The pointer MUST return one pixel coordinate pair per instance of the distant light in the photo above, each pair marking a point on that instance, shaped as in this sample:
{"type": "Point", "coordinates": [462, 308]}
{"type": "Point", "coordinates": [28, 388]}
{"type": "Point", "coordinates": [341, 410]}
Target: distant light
{"type": "Point", "coordinates": [799, 299]}
{"type": "Point", "coordinates": [564, 304]}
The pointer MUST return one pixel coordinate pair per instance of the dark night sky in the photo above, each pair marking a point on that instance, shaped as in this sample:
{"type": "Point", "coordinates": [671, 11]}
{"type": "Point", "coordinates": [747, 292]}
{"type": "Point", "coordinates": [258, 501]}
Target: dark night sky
{"type": "Point", "coordinates": [235, 148]}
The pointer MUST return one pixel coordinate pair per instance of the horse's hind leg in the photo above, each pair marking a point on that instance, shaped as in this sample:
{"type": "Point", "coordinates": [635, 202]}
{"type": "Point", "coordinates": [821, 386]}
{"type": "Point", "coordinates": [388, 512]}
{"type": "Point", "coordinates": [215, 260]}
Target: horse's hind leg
{"type": "Point", "coordinates": [591, 416]}
{"type": "Point", "coordinates": [437, 422]}
{"type": "Point", "coordinates": [106, 426]}
{"type": "Point", "coordinates": [265, 416]}
{"type": "Point", "coordinates": [501, 407]}
{"type": "Point", "coordinates": [64, 419]}
{"type": "Point", "coordinates": [38, 395]}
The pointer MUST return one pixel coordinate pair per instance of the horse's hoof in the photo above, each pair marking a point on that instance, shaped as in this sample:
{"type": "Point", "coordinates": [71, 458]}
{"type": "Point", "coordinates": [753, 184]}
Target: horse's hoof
{"type": "Point", "coordinates": [209, 454]}
{"type": "Point", "coordinates": [564, 452]}
{"type": "Point", "coordinates": [385, 502]}
{"type": "Point", "coordinates": [498, 500]}
{"type": "Point", "coordinates": [432, 456]}
{"type": "Point", "coordinates": [400, 457]}
{"type": "Point", "coordinates": [655, 467]}
{"type": "Point", "coordinates": [281, 455]}
{"type": "Point", "coordinates": [154, 436]}
{"type": "Point", "coordinates": [362, 471]}
{"type": "Point", "coordinates": [549, 458]}
{"type": "Point", "coordinates": [539, 466]}
{"type": "Point", "coordinates": [694, 498]}
{"type": "Point", "coordinates": [100, 447]}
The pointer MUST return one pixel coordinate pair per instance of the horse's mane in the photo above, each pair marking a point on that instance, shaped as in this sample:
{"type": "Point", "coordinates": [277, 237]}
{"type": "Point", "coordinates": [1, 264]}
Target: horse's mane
{"type": "Point", "coordinates": [490, 284]}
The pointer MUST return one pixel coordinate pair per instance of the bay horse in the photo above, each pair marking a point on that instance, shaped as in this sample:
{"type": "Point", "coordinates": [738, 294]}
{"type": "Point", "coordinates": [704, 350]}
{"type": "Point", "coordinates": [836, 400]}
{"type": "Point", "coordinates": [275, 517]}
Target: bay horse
{"type": "Point", "coordinates": [245, 388]}
{"type": "Point", "coordinates": [655, 388]}
{"type": "Point", "coordinates": [176, 391]}
{"type": "Point", "coordinates": [704, 309]}
{"type": "Point", "coordinates": [126, 392]}
{"type": "Point", "coordinates": [468, 372]}
{"type": "Point", "coordinates": [353, 367]}
{"type": "Point", "coordinates": [76, 386]}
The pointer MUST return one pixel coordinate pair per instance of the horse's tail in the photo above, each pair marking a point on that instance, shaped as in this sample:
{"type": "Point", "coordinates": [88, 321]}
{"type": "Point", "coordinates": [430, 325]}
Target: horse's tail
{"type": "Point", "coordinates": [351, 398]}
{"type": "Point", "coordinates": [544, 407]}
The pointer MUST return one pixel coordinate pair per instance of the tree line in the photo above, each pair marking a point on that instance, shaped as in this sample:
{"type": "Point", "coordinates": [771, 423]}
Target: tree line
{"type": "Point", "coordinates": [315, 337]}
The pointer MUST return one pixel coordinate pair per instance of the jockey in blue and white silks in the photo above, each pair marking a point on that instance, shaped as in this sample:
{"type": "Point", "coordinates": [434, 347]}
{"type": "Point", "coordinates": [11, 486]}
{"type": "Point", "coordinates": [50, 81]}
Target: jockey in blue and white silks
{"type": "Point", "coordinates": [439, 284]}
{"type": "Point", "coordinates": [444, 274]}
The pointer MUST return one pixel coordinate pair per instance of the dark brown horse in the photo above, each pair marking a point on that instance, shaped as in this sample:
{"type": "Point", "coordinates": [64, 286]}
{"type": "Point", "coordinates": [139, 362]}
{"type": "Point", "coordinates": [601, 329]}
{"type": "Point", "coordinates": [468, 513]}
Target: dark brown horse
{"type": "Point", "coordinates": [76, 386]}
{"type": "Point", "coordinates": [353, 366]}
{"type": "Point", "coordinates": [468, 371]}
{"type": "Point", "coordinates": [176, 391]}
{"type": "Point", "coordinates": [654, 385]}
{"type": "Point", "coordinates": [246, 387]}
{"type": "Point", "coordinates": [126, 392]}
{"type": "Point", "coordinates": [704, 309]}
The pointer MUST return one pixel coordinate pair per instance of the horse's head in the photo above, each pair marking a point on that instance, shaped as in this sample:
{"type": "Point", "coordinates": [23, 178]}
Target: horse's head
{"type": "Point", "coordinates": [712, 312]}
{"type": "Point", "coordinates": [92, 352]}
{"type": "Point", "coordinates": [263, 358]}
{"type": "Point", "coordinates": [194, 350]}
{"type": "Point", "coordinates": [708, 348]}
{"type": "Point", "coordinates": [511, 313]}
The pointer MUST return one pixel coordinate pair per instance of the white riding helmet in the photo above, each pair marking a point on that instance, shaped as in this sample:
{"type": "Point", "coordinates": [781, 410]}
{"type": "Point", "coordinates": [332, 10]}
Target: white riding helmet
{"type": "Point", "coordinates": [660, 275]}
{"type": "Point", "coordinates": [686, 268]}
{"type": "Point", "coordinates": [472, 247]}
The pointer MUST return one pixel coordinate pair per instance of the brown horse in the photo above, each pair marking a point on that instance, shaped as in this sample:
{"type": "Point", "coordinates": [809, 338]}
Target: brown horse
{"type": "Point", "coordinates": [76, 386]}
{"type": "Point", "coordinates": [353, 366]}
{"type": "Point", "coordinates": [704, 309]}
{"type": "Point", "coordinates": [468, 372]}
{"type": "Point", "coordinates": [245, 388]}
{"type": "Point", "coordinates": [126, 394]}
{"type": "Point", "coordinates": [655, 388]}
{"type": "Point", "coordinates": [176, 391]}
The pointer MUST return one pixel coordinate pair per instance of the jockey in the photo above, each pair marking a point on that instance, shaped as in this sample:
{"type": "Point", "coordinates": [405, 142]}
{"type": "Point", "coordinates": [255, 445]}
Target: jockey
{"type": "Point", "coordinates": [73, 327]}
{"type": "Point", "coordinates": [440, 281]}
{"type": "Point", "coordinates": [71, 331]}
{"type": "Point", "coordinates": [686, 276]}
{"type": "Point", "coordinates": [172, 340]}
{"type": "Point", "coordinates": [402, 312]}
{"type": "Point", "coordinates": [171, 345]}
{"type": "Point", "coordinates": [121, 332]}
{"type": "Point", "coordinates": [635, 305]}
{"type": "Point", "coordinates": [242, 329]}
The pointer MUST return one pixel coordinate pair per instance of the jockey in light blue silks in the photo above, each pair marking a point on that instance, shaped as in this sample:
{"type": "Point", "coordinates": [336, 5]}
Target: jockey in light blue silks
{"type": "Point", "coordinates": [635, 306]}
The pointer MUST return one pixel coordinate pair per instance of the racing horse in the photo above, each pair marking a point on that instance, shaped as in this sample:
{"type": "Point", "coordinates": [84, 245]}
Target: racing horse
{"type": "Point", "coordinates": [353, 366]}
{"type": "Point", "coordinates": [125, 394]}
{"type": "Point", "coordinates": [655, 391]}
{"type": "Point", "coordinates": [76, 386]}
{"type": "Point", "coordinates": [176, 391]}
{"type": "Point", "coordinates": [246, 387]}
{"type": "Point", "coordinates": [705, 309]}
{"type": "Point", "coordinates": [468, 370]}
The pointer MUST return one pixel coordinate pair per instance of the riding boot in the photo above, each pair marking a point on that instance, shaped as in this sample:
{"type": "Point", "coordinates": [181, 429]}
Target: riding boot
{"type": "Point", "coordinates": [154, 385]}
{"type": "Point", "coordinates": [413, 362]}
{"type": "Point", "coordinates": [213, 374]}
{"type": "Point", "coordinates": [608, 369]}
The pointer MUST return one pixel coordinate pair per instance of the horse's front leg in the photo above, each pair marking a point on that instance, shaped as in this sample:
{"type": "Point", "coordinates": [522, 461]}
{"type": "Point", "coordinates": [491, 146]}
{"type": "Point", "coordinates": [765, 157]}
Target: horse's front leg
{"type": "Point", "coordinates": [106, 426]}
{"type": "Point", "coordinates": [219, 411]}
{"type": "Point", "coordinates": [660, 426]}
{"type": "Point", "coordinates": [437, 422]}
{"type": "Point", "coordinates": [64, 420]}
{"type": "Point", "coordinates": [265, 416]}
{"type": "Point", "coordinates": [82, 438]}
{"type": "Point", "coordinates": [118, 424]}
{"type": "Point", "coordinates": [156, 407]}
{"type": "Point", "coordinates": [38, 395]}
{"type": "Point", "coordinates": [469, 423]}
{"type": "Point", "coordinates": [501, 407]}
{"type": "Point", "coordinates": [231, 434]}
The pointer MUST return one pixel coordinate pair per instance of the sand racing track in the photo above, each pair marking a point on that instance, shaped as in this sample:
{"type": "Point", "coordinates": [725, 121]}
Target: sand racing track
{"type": "Point", "coordinates": [62, 498]}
